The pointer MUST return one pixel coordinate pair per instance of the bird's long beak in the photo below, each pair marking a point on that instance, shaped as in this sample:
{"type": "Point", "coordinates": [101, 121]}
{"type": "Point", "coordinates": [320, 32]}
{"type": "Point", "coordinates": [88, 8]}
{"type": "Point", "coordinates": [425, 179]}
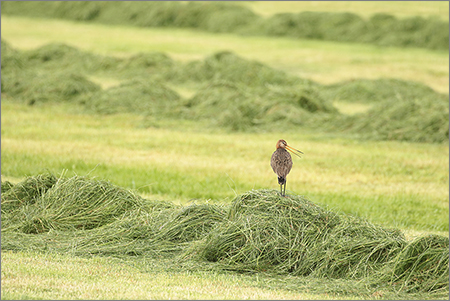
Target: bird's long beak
{"type": "Point", "coordinates": [294, 151]}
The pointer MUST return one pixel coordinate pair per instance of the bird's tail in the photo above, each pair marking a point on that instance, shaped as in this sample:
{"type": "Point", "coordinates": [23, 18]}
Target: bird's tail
{"type": "Point", "coordinates": [281, 180]}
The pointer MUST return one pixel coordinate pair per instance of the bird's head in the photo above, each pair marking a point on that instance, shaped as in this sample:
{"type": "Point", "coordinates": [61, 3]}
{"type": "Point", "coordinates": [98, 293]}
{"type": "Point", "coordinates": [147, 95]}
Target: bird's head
{"type": "Point", "coordinates": [283, 144]}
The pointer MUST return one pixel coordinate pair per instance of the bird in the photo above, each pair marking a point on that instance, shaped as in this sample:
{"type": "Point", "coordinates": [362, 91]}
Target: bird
{"type": "Point", "coordinates": [281, 162]}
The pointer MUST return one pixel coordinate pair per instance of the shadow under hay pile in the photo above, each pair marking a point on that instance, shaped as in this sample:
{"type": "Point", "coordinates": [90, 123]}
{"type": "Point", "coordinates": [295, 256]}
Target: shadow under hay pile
{"type": "Point", "coordinates": [260, 231]}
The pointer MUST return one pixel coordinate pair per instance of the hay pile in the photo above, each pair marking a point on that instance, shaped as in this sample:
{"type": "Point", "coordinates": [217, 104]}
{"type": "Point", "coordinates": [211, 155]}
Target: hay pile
{"type": "Point", "coordinates": [258, 232]}
{"type": "Point", "coordinates": [51, 73]}
{"type": "Point", "coordinates": [315, 25]}
{"type": "Point", "coordinates": [84, 216]}
{"type": "Point", "coordinates": [58, 73]}
{"type": "Point", "coordinates": [422, 265]}
{"type": "Point", "coordinates": [266, 232]}
{"type": "Point", "coordinates": [402, 110]}
{"type": "Point", "coordinates": [378, 90]}
{"type": "Point", "coordinates": [43, 203]}
{"type": "Point", "coordinates": [213, 16]}
{"type": "Point", "coordinates": [33, 87]}
{"type": "Point", "coordinates": [241, 108]}
{"type": "Point", "coordinates": [227, 66]}
{"type": "Point", "coordinates": [243, 95]}
{"type": "Point", "coordinates": [225, 104]}
{"type": "Point", "coordinates": [11, 59]}
{"type": "Point", "coordinates": [61, 56]}
{"type": "Point", "coordinates": [381, 29]}
{"type": "Point", "coordinates": [26, 192]}
{"type": "Point", "coordinates": [154, 65]}
{"type": "Point", "coordinates": [136, 96]}
{"type": "Point", "coordinates": [406, 120]}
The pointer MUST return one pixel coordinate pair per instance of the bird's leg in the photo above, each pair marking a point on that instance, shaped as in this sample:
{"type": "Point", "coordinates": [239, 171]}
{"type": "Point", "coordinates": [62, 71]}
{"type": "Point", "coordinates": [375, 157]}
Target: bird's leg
{"type": "Point", "coordinates": [281, 189]}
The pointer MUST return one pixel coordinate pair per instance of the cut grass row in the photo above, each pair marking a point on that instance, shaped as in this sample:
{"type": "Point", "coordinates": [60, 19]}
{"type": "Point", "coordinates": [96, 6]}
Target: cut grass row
{"type": "Point", "coordinates": [379, 181]}
{"type": "Point", "coordinates": [150, 235]}
{"type": "Point", "coordinates": [397, 8]}
{"type": "Point", "coordinates": [231, 93]}
{"type": "Point", "coordinates": [380, 29]}
{"type": "Point", "coordinates": [324, 62]}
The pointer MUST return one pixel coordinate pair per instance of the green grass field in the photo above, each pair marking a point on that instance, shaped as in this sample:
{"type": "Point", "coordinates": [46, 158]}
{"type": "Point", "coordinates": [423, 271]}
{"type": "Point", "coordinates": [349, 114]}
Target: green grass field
{"type": "Point", "coordinates": [389, 183]}
{"type": "Point", "coordinates": [42, 276]}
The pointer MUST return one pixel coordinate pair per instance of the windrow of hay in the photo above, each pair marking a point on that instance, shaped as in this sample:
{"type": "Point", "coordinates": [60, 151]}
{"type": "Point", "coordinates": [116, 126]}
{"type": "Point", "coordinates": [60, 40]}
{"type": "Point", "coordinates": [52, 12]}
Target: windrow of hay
{"type": "Point", "coordinates": [228, 66]}
{"type": "Point", "coordinates": [381, 29]}
{"type": "Point", "coordinates": [43, 203]}
{"type": "Point", "coordinates": [266, 232]}
{"type": "Point", "coordinates": [421, 266]}
{"type": "Point", "coordinates": [241, 108]}
{"type": "Point", "coordinates": [229, 92]}
{"type": "Point", "coordinates": [62, 56]}
{"type": "Point", "coordinates": [259, 232]}
{"type": "Point", "coordinates": [34, 87]}
{"type": "Point", "coordinates": [136, 96]}
{"type": "Point", "coordinates": [52, 73]}
{"type": "Point", "coordinates": [402, 110]}
{"type": "Point", "coordinates": [405, 120]}
{"type": "Point", "coordinates": [214, 17]}
{"type": "Point", "coordinates": [379, 90]}
{"type": "Point", "coordinates": [25, 192]}
{"type": "Point", "coordinates": [11, 58]}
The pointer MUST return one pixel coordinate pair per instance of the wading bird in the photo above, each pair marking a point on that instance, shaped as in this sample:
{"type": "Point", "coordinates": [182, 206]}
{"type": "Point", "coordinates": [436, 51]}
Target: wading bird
{"type": "Point", "coordinates": [281, 162]}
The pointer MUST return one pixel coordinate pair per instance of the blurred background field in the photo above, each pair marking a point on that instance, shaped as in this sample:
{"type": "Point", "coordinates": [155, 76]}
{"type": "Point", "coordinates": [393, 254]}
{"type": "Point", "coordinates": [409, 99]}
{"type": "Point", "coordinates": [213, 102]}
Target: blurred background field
{"type": "Point", "coordinates": [428, 31]}
{"type": "Point", "coordinates": [399, 9]}
{"type": "Point", "coordinates": [167, 104]}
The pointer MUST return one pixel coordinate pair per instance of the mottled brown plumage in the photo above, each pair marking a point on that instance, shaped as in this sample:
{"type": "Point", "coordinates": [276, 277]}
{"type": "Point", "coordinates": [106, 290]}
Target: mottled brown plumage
{"type": "Point", "coordinates": [281, 162]}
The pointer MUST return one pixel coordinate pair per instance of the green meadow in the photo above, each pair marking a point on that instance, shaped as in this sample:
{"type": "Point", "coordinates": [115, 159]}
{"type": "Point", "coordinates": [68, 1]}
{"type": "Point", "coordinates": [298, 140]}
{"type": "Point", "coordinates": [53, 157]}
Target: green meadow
{"type": "Point", "coordinates": [168, 132]}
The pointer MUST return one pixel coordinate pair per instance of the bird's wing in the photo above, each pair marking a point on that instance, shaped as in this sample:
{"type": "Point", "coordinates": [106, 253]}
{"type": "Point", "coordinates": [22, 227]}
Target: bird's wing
{"type": "Point", "coordinates": [281, 162]}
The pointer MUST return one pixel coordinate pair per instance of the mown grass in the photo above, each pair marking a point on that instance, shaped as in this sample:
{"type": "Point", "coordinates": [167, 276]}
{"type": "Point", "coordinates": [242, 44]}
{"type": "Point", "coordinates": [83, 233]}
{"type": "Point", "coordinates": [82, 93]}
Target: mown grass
{"type": "Point", "coordinates": [393, 184]}
{"type": "Point", "coordinates": [380, 29]}
{"type": "Point", "coordinates": [29, 275]}
{"type": "Point", "coordinates": [321, 61]}
{"type": "Point", "coordinates": [180, 165]}
{"type": "Point", "coordinates": [232, 93]}
{"type": "Point", "coordinates": [396, 8]}
{"type": "Point", "coordinates": [259, 232]}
